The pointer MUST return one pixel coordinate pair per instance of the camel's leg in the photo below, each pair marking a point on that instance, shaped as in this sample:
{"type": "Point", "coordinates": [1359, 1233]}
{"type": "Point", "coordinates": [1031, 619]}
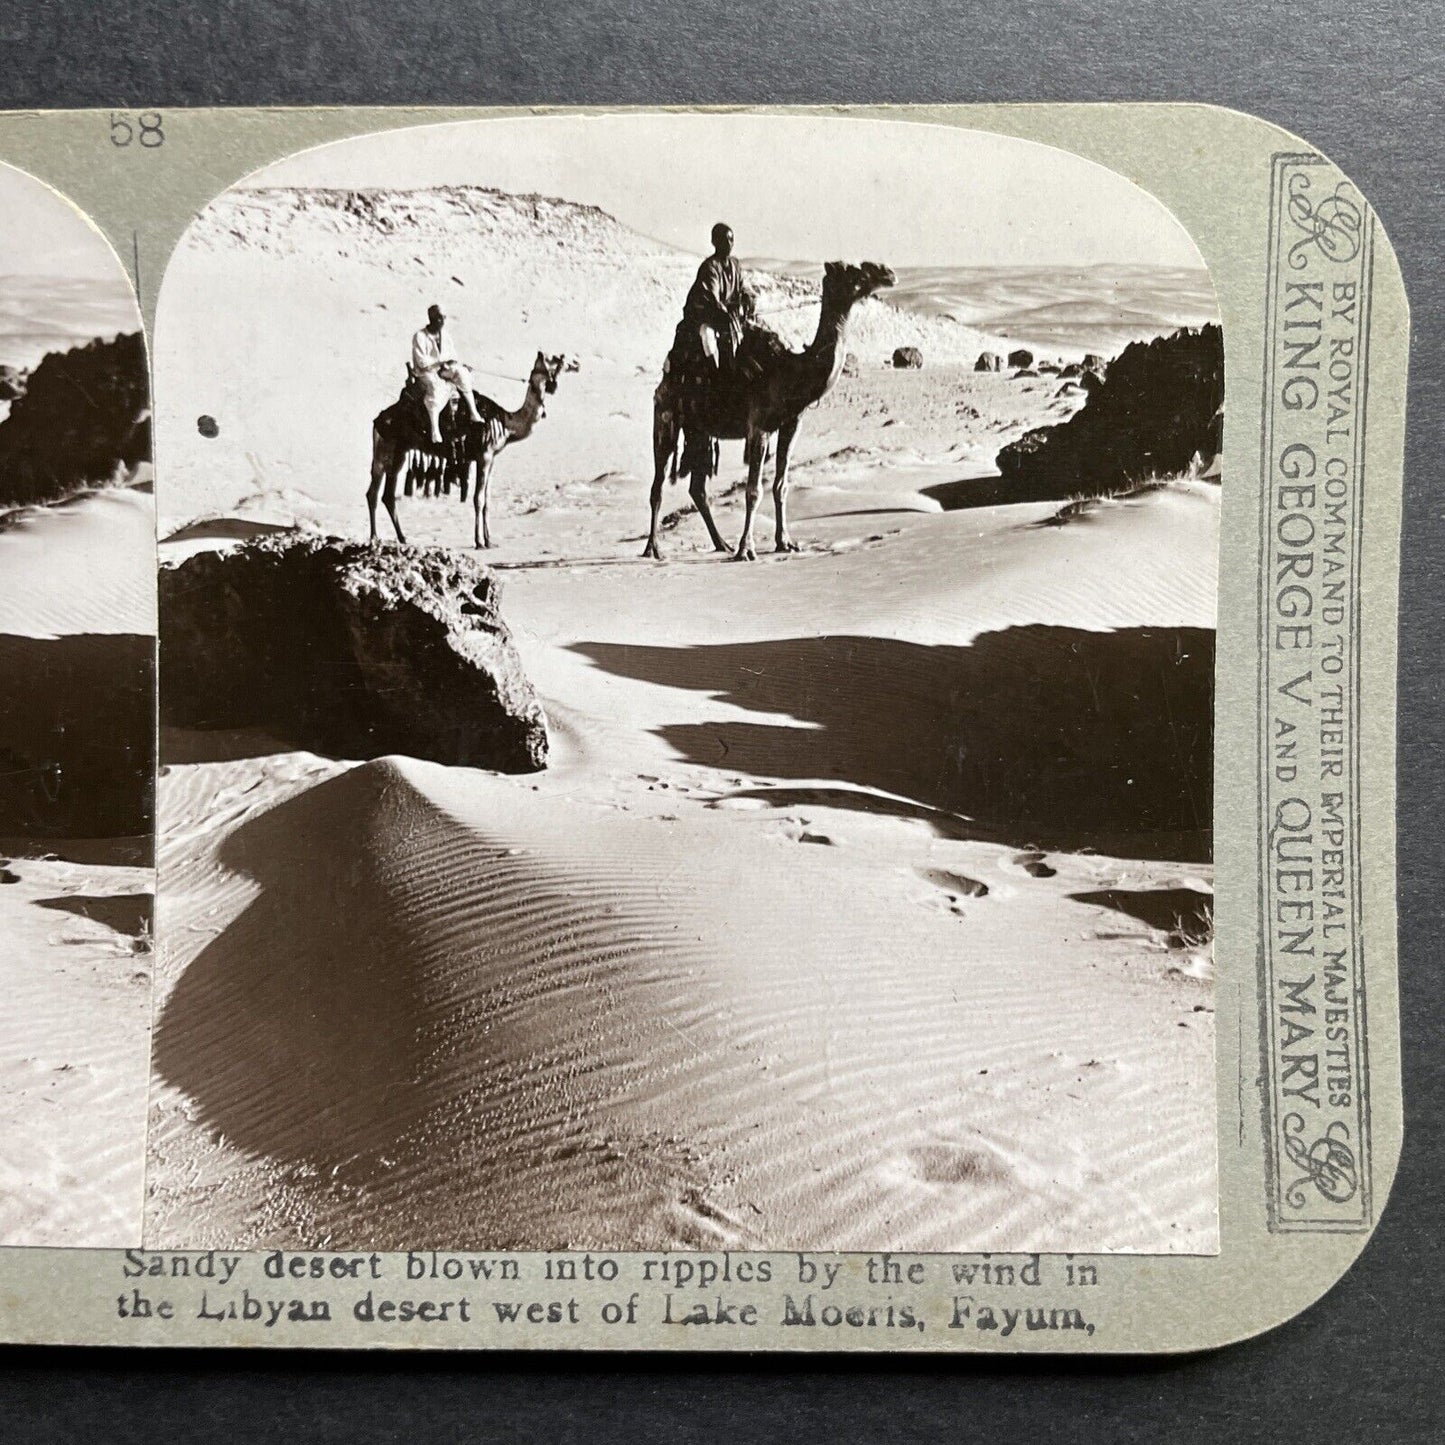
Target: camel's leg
{"type": "Point", "coordinates": [664, 450]}
{"type": "Point", "coordinates": [753, 450]}
{"type": "Point", "coordinates": [464, 478]}
{"type": "Point", "coordinates": [786, 433]}
{"type": "Point", "coordinates": [481, 501]}
{"type": "Point", "coordinates": [388, 496]}
{"type": "Point", "coordinates": [698, 492]}
{"type": "Point", "coordinates": [381, 456]}
{"type": "Point", "coordinates": [411, 468]}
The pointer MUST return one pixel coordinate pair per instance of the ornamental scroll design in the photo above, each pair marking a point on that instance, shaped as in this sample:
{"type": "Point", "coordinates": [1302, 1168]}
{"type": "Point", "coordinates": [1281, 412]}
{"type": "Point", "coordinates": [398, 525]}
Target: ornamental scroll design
{"type": "Point", "coordinates": [1328, 1164]}
{"type": "Point", "coordinates": [1335, 227]}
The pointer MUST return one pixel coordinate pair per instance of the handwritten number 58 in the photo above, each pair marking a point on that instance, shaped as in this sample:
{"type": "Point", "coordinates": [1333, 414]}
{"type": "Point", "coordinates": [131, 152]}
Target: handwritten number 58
{"type": "Point", "coordinates": [143, 129]}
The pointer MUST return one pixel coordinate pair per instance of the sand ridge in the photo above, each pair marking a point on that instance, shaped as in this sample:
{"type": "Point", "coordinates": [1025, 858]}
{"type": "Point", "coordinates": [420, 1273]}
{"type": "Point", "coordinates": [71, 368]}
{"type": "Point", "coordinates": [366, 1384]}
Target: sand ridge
{"type": "Point", "coordinates": [77, 635]}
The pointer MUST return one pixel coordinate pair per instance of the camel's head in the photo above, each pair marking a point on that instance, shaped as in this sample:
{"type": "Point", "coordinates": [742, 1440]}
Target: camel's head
{"type": "Point", "coordinates": [545, 371]}
{"type": "Point", "coordinates": [845, 283]}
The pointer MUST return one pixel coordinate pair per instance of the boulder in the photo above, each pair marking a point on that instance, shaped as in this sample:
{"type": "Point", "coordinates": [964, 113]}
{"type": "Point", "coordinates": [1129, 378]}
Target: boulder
{"type": "Point", "coordinates": [1147, 418]}
{"type": "Point", "coordinates": [1021, 357]}
{"type": "Point", "coordinates": [988, 361]}
{"type": "Point", "coordinates": [82, 421]}
{"type": "Point", "coordinates": [1025, 371]}
{"type": "Point", "coordinates": [12, 383]}
{"type": "Point", "coordinates": [907, 358]}
{"type": "Point", "coordinates": [1074, 368]}
{"type": "Point", "coordinates": [349, 649]}
{"type": "Point", "coordinates": [1094, 362]}
{"type": "Point", "coordinates": [850, 365]}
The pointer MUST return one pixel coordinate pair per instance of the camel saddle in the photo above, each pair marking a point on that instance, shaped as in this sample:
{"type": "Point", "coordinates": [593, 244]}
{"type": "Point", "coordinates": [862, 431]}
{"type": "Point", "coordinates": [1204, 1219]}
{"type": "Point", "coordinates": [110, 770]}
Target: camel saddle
{"type": "Point", "coordinates": [707, 390]}
{"type": "Point", "coordinates": [411, 405]}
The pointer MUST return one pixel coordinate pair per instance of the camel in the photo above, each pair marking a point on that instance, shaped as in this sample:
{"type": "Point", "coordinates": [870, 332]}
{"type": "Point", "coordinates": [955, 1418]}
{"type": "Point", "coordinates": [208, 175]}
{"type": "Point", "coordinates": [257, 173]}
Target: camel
{"type": "Point", "coordinates": [771, 388]}
{"type": "Point", "coordinates": [400, 432]}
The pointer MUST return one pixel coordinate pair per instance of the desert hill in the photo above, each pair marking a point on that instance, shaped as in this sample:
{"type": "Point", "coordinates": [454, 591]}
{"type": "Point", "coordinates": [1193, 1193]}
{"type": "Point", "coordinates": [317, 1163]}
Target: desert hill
{"type": "Point", "coordinates": [563, 259]}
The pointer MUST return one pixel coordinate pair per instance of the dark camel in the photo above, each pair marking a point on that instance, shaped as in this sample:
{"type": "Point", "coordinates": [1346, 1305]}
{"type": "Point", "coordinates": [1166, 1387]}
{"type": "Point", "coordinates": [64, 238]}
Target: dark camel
{"type": "Point", "coordinates": [769, 389]}
{"type": "Point", "coordinates": [401, 430]}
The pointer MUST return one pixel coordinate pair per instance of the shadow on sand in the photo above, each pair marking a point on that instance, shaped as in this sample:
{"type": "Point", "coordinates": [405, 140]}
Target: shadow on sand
{"type": "Point", "coordinates": [296, 1030]}
{"type": "Point", "coordinates": [1042, 736]}
{"type": "Point", "coordinates": [77, 735]}
{"type": "Point", "coordinates": [127, 913]}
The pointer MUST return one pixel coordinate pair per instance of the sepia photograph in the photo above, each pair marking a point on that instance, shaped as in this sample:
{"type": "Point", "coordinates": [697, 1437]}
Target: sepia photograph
{"type": "Point", "coordinates": [77, 728]}
{"type": "Point", "coordinates": [686, 697]}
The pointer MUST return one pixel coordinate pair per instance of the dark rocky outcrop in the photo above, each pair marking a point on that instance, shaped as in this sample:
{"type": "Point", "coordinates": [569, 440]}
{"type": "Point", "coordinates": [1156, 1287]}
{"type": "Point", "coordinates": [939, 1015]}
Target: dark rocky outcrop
{"type": "Point", "coordinates": [1156, 410]}
{"type": "Point", "coordinates": [1094, 362]}
{"type": "Point", "coordinates": [907, 358]}
{"type": "Point", "coordinates": [1021, 357]}
{"type": "Point", "coordinates": [349, 649]}
{"type": "Point", "coordinates": [988, 361]}
{"type": "Point", "coordinates": [12, 383]}
{"type": "Point", "coordinates": [82, 421]}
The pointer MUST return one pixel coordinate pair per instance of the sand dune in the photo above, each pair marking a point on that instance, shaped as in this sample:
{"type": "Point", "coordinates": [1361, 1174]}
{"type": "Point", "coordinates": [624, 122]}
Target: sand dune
{"type": "Point", "coordinates": [87, 565]}
{"type": "Point", "coordinates": [505, 1020]}
{"type": "Point", "coordinates": [77, 643]}
{"type": "Point", "coordinates": [1063, 312]}
{"type": "Point", "coordinates": [76, 980]}
{"type": "Point", "coordinates": [41, 314]}
{"type": "Point", "coordinates": [748, 965]}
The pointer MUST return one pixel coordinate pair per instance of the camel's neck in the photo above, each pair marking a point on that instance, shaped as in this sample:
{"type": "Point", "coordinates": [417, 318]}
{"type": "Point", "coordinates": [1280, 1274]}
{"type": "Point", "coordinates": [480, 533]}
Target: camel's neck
{"type": "Point", "coordinates": [519, 423]}
{"type": "Point", "coordinates": [822, 359]}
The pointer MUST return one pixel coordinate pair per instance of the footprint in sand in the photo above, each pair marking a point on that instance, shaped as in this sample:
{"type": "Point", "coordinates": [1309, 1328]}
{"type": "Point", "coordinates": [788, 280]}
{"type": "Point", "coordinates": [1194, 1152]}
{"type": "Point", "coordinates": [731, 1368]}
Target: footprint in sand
{"type": "Point", "coordinates": [1034, 864]}
{"type": "Point", "coordinates": [740, 805]}
{"type": "Point", "coordinates": [700, 1224]}
{"type": "Point", "coordinates": [956, 885]}
{"type": "Point", "coordinates": [956, 1164]}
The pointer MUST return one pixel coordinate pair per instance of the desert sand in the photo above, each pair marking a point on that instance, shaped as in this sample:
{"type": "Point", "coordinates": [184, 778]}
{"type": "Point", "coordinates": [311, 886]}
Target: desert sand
{"type": "Point", "coordinates": [822, 929]}
{"type": "Point", "coordinates": [77, 612]}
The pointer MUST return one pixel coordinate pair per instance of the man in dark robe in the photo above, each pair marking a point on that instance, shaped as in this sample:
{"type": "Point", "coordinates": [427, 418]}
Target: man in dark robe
{"type": "Point", "coordinates": [714, 307]}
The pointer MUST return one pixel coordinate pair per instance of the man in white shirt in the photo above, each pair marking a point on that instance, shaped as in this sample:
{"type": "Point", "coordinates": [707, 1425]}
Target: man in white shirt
{"type": "Point", "coordinates": [437, 370]}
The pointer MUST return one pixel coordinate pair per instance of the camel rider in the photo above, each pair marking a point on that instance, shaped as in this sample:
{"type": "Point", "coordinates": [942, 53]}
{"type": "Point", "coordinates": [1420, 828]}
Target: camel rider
{"type": "Point", "coordinates": [438, 372]}
{"type": "Point", "coordinates": [716, 305]}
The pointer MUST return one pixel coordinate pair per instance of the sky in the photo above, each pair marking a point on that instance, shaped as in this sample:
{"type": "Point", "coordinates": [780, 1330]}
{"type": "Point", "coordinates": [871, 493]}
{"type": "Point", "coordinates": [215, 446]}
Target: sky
{"type": "Point", "coordinates": [42, 234]}
{"type": "Point", "coordinates": [800, 188]}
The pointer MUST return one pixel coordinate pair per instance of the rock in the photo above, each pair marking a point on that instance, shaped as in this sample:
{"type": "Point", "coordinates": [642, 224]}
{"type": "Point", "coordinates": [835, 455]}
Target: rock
{"type": "Point", "coordinates": [83, 421]}
{"type": "Point", "coordinates": [988, 361]}
{"type": "Point", "coordinates": [1074, 368]}
{"type": "Point", "coordinates": [1025, 371]}
{"type": "Point", "coordinates": [12, 383]}
{"type": "Point", "coordinates": [349, 649]}
{"type": "Point", "coordinates": [1021, 357]}
{"type": "Point", "coordinates": [907, 358]}
{"type": "Point", "coordinates": [208, 427]}
{"type": "Point", "coordinates": [850, 365]}
{"type": "Point", "coordinates": [1094, 362]}
{"type": "Point", "coordinates": [1147, 418]}
{"type": "Point", "coordinates": [1048, 366]}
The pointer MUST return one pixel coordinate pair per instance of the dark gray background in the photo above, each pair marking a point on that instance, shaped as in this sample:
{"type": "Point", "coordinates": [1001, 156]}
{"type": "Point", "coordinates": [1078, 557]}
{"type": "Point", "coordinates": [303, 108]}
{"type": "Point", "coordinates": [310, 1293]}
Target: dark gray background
{"type": "Point", "coordinates": [1361, 82]}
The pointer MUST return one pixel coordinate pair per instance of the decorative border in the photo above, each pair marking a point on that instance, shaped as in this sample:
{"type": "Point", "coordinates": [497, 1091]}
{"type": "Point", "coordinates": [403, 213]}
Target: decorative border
{"type": "Point", "coordinates": [1312, 1003]}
